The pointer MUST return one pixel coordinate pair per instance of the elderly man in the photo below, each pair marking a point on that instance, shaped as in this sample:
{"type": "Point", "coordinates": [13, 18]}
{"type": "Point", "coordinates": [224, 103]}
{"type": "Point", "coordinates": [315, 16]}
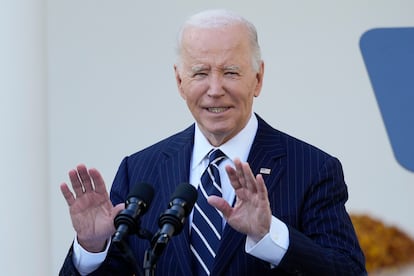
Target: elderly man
{"type": "Point", "coordinates": [278, 203]}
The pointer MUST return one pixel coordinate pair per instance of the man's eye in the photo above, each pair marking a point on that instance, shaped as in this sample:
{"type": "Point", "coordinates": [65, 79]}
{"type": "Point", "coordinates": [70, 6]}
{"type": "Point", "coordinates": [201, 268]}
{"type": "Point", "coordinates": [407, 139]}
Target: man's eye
{"type": "Point", "coordinates": [231, 73]}
{"type": "Point", "coordinates": [199, 75]}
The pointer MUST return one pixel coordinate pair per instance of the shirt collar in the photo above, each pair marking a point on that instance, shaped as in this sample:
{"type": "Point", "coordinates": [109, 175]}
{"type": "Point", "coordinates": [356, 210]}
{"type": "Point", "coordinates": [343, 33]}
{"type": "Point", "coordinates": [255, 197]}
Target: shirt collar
{"type": "Point", "coordinates": [231, 148]}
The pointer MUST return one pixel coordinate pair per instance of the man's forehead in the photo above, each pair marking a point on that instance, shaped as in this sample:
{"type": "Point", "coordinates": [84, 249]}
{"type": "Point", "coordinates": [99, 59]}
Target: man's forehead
{"type": "Point", "coordinates": [194, 33]}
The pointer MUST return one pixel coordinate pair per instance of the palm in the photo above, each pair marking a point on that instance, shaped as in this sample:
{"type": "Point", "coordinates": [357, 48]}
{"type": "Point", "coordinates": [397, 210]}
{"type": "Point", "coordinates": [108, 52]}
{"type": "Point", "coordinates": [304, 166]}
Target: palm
{"type": "Point", "coordinates": [91, 216]}
{"type": "Point", "coordinates": [251, 213]}
{"type": "Point", "coordinates": [251, 206]}
{"type": "Point", "coordinates": [90, 208]}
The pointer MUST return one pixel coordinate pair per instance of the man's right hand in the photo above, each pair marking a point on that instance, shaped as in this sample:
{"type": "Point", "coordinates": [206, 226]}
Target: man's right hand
{"type": "Point", "coordinates": [91, 210]}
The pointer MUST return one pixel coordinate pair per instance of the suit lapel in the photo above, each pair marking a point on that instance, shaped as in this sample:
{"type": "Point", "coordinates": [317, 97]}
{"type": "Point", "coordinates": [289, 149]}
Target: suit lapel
{"type": "Point", "coordinates": [265, 154]}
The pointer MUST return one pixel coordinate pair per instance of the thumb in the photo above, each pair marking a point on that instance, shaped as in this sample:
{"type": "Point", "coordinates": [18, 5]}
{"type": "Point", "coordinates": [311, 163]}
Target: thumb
{"type": "Point", "coordinates": [117, 208]}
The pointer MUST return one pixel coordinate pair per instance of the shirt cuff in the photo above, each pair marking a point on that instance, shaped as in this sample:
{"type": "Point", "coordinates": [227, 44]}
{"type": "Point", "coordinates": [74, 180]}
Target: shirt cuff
{"type": "Point", "coordinates": [86, 262]}
{"type": "Point", "coordinates": [273, 246]}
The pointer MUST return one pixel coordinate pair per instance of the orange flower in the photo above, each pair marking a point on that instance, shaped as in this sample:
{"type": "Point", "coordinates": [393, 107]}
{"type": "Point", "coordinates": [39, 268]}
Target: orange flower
{"type": "Point", "coordinates": [384, 246]}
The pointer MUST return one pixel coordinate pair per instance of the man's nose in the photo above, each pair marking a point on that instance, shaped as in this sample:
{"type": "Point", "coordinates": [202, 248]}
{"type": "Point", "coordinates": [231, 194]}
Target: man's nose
{"type": "Point", "coordinates": [216, 88]}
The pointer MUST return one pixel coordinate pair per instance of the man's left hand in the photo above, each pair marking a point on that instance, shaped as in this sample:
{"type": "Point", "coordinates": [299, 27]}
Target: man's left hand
{"type": "Point", "coordinates": [251, 213]}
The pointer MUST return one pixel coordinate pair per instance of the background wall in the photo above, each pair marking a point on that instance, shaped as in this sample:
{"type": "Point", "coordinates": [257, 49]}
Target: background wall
{"type": "Point", "coordinates": [111, 91]}
{"type": "Point", "coordinates": [24, 197]}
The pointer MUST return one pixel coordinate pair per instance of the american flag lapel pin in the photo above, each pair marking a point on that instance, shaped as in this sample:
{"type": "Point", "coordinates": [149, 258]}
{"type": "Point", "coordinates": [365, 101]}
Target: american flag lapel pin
{"type": "Point", "coordinates": [265, 170]}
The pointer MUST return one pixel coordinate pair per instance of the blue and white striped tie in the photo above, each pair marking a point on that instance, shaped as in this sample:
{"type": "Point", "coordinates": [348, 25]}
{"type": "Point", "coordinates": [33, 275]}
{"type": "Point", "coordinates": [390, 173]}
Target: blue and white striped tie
{"type": "Point", "coordinates": [206, 227]}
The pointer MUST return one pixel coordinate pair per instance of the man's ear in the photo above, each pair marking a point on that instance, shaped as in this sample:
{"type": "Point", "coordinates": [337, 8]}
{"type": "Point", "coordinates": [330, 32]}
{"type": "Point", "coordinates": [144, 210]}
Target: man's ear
{"type": "Point", "coordinates": [259, 79]}
{"type": "Point", "coordinates": [179, 80]}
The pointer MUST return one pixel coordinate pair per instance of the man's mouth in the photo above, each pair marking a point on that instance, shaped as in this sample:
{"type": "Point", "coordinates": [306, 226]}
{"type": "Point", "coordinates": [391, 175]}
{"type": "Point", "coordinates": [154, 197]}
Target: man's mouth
{"type": "Point", "coordinates": [217, 109]}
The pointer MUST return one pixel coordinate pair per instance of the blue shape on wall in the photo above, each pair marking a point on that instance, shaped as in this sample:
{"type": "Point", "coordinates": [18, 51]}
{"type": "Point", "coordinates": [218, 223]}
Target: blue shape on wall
{"type": "Point", "coordinates": [389, 58]}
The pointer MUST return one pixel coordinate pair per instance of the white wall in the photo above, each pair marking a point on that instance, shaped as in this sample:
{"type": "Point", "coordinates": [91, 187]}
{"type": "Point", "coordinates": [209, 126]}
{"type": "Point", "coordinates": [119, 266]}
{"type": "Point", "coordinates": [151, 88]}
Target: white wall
{"type": "Point", "coordinates": [111, 92]}
{"type": "Point", "coordinates": [24, 197]}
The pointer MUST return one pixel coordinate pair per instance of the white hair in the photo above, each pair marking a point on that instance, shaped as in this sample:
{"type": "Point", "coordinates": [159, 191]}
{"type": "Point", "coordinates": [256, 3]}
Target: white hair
{"type": "Point", "coordinates": [221, 18]}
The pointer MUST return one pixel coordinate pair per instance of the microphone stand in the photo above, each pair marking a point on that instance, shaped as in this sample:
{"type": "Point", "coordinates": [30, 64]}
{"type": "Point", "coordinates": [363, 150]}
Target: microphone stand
{"type": "Point", "coordinates": [152, 254]}
{"type": "Point", "coordinates": [127, 252]}
{"type": "Point", "coordinates": [158, 243]}
{"type": "Point", "coordinates": [170, 223]}
{"type": "Point", "coordinates": [149, 263]}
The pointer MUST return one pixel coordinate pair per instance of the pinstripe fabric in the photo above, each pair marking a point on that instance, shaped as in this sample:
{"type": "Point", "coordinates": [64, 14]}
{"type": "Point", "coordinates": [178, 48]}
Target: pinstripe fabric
{"type": "Point", "coordinates": [306, 190]}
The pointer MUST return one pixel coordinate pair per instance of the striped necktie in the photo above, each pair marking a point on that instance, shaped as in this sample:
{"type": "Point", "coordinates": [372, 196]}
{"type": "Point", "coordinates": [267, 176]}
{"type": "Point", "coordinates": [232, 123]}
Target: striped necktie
{"type": "Point", "coordinates": [207, 222]}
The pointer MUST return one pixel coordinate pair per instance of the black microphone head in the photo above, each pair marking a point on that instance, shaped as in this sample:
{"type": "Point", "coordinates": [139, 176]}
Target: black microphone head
{"type": "Point", "coordinates": [143, 191]}
{"type": "Point", "coordinates": [127, 221]}
{"type": "Point", "coordinates": [188, 194]}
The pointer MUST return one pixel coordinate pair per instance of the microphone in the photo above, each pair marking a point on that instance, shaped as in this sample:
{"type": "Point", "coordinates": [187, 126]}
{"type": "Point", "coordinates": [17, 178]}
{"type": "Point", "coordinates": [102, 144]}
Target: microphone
{"type": "Point", "coordinates": [172, 220]}
{"type": "Point", "coordinates": [137, 203]}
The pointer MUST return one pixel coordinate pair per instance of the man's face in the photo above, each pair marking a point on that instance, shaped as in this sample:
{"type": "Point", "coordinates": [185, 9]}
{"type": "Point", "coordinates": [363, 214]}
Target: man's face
{"type": "Point", "coordinates": [217, 80]}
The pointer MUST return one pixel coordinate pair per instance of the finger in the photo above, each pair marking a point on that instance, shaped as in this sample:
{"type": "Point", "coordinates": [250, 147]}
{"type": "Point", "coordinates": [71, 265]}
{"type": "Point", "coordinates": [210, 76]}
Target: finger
{"type": "Point", "coordinates": [221, 205]}
{"type": "Point", "coordinates": [248, 177]}
{"type": "Point", "coordinates": [98, 181]}
{"type": "Point", "coordinates": [118, 208]}
{"type": "Point", "coordinates": [238, 166]}
{"type": "Point", "coordinates": [67, 194]}
{"type": "Point", "coordinates": [234, 180]}
{"type": "Point", "coordinates": [261, 187]}
{"type": "Point", "coordinates": [76, 183]}
{"type": "Point", "coordinates": [115, 211]}
{"type": "Point", "coordinates": [85, 178]}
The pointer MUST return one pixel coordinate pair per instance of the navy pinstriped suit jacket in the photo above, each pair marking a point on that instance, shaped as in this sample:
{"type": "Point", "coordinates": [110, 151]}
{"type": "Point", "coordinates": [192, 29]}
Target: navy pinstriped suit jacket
{"type": "Point", "coordinates": [306, 190]}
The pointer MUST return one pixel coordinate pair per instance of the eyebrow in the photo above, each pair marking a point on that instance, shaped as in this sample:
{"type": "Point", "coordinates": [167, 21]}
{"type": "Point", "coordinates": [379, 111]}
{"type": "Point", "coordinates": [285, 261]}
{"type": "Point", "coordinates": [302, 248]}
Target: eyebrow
{"type": "Point", "coordinates": [232, 68]}
{"type": "Point", "coordinates": [198, 68]}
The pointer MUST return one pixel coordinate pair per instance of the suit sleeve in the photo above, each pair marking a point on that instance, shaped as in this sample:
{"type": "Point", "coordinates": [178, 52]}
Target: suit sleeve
{"type": "Point", "coordinates": [325, 242]}
{"type": "Point", "coordinates": [68, 268]}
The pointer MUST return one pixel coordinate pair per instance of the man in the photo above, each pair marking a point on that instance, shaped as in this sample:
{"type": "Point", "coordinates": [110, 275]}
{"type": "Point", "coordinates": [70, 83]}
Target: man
{"type": "Point", "coordinates": [281, 200]}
